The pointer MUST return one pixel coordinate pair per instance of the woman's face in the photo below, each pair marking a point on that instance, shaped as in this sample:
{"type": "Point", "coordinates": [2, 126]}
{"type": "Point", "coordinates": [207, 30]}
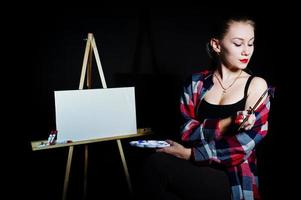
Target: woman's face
{"type": "Point", "coordinates": [237, 46]}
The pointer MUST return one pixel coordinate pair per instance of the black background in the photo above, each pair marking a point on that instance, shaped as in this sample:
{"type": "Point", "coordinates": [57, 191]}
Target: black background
{"type": "Point", "coordinates": [153, 49]}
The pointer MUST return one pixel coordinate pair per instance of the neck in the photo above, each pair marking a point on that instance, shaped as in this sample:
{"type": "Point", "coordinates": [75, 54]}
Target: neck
{"type": "Point", "coordinates": [225, 85]}
{"type": "Point", "coordinates": [226, 73]}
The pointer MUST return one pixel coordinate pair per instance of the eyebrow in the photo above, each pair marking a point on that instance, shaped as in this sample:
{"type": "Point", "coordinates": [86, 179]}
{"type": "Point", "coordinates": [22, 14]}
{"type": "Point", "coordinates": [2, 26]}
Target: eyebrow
{"type": "Point", "coordinates": [242, 38]}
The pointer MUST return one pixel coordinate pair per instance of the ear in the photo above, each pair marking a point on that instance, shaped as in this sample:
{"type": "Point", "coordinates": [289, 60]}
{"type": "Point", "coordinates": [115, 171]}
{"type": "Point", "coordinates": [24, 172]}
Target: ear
{"type": "Point", "coordinates": [215, 44]}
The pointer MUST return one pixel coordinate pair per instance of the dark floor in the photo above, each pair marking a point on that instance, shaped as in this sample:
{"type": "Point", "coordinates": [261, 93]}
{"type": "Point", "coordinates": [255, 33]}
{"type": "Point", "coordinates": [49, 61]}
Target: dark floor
{"type": "Point", "coordinates": [46, 170]}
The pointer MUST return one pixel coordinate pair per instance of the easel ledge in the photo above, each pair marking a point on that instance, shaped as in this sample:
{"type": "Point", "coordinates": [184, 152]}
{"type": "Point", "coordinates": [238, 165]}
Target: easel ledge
{"type": "Point", "coordinates": [140, 132]}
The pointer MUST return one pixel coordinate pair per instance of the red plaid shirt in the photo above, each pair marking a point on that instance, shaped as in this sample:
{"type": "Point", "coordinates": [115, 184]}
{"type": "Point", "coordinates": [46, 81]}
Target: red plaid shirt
{"type": "Point", "coordinates": [235, 151]}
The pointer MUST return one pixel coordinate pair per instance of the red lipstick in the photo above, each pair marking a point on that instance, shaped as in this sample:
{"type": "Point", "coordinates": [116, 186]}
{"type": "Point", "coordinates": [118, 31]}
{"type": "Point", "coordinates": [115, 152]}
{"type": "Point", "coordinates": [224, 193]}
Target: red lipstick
{"type": "Point", "coordinates": [244, 60]}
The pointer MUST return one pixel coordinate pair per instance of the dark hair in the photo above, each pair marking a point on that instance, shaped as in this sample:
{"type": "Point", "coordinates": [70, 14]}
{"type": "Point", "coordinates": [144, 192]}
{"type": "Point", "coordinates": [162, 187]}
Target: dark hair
{"type": "Point", "coordinates": [219, 29]}
{"type": "Point", "coordinates": [221, 26]}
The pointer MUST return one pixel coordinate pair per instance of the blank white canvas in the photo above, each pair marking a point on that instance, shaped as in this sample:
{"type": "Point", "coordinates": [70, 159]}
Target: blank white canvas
{"type": "Point", "coordinates": [95, 113]}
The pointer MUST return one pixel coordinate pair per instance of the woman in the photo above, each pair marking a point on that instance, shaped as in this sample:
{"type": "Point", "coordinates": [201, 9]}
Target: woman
{"type": "Point", "coordinates": [221, 130]}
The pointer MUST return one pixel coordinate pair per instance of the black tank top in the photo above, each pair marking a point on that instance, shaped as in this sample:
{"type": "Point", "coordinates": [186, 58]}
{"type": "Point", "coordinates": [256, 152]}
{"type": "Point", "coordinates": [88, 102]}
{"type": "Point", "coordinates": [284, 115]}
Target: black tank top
{"type": "Point", "coordinates": [208, 110]}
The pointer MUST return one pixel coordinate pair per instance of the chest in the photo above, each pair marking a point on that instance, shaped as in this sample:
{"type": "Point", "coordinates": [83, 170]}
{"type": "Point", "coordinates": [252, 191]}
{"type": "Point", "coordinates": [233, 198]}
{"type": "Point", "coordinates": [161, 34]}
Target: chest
{"type": "Point", "coordinates": [217, 96]}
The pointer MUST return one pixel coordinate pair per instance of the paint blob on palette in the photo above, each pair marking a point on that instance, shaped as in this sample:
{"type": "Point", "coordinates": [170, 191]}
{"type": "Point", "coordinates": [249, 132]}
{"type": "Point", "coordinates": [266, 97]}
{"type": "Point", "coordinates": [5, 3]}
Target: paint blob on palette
{"type": "Point", "coordinates": [150, 143]}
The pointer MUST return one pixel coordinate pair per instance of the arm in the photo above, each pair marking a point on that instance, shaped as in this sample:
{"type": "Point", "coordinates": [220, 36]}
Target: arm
{"type": "Point", "coordinates": [210, 144]}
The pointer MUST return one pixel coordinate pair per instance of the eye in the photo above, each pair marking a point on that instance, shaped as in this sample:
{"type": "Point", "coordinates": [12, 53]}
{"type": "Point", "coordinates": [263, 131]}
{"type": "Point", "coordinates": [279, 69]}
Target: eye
{"type": "Point", "coordinates": [250, 45]}
{"type": "Point", "coordinates": [237, 44]}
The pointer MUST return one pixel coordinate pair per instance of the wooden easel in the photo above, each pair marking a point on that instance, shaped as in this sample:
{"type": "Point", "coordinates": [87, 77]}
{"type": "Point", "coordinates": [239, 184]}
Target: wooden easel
{"type": "Point", "coordinates": [87, 66]}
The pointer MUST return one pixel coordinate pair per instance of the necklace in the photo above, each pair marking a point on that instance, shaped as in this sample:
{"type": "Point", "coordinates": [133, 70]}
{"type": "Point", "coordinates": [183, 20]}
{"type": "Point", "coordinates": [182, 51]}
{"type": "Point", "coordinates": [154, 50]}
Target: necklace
{"type": "Point", "coordinates": [226, 88]}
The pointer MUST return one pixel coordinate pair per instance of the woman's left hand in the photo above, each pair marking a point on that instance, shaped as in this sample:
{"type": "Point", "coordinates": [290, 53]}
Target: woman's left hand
{"type": "Point", "coordinates": [176, 149]}
{"type": "Point", "coordinates": [241, 115]}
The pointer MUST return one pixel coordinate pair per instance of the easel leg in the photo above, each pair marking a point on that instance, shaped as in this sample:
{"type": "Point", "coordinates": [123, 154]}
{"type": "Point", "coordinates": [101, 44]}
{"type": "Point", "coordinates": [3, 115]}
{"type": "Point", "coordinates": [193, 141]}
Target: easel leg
{"type": "Point", "coordinates": [68, 166]}
{"type": "Point", "coordinates": [128, 179]}
{"type": "Point", "coordinates": [85, 172]}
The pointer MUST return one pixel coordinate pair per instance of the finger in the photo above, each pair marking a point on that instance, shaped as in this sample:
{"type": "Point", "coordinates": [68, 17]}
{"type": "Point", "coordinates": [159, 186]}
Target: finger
{"type": "Point", "coordinates": [248, 127]}
{"type": "Point", "coordinates": [246, 124]}
{"type": "Point", "coordinates": [249, 124]}
{"type": "Point", "coordinates": [252, 116]}
{"type": "Point", "coordinates": [160, 150]}
{"type": "Point", "coordinates": [251, 119]}
{"type": "Point", "coordinates": [245, 113]}
{"type": "Point", "coordinates": [239, 113]}
{"type": "Point", "coordinates": [171, 142]}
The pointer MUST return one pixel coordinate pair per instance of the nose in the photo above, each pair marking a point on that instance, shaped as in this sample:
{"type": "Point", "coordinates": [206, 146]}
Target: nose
{"type": "Point", "coordinates": [245, 52]}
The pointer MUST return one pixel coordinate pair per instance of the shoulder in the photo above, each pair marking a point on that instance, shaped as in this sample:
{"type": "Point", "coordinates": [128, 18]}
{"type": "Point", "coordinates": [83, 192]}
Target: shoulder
{"type": "Point", "coordinates": [258, 85]}
{"type": "Point", "coordinates": [257, 88]}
